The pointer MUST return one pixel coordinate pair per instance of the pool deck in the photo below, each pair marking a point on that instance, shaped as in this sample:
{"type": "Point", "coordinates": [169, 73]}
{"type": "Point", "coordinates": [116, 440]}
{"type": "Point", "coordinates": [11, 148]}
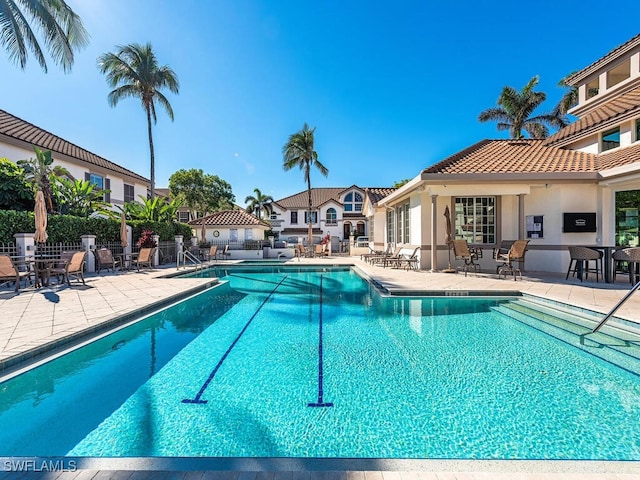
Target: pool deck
{"type": "Point", "coordinates": [38, 319]}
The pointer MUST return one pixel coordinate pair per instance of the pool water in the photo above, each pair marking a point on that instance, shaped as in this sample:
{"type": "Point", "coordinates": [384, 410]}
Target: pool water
{"type": "Point", "coordinates": [314, 363]}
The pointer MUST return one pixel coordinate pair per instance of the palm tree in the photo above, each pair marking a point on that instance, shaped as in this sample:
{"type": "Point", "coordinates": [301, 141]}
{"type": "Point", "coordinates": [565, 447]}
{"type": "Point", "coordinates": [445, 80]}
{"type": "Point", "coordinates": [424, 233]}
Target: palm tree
{"type": "Point", "coordinates": [134, 72]}
{"type": "Point", "coordinates": [39, 172]}
{"type": "Point", "coordinates": [259, 202]}
{"type": "Point", "coordinates": [515, 109]}
{"type": "Point", "coordinates": [61, 28]}
{"type": "Point", "coordinates": [299, 152]}
{"type": "Point", "coordinates": [570, 97]}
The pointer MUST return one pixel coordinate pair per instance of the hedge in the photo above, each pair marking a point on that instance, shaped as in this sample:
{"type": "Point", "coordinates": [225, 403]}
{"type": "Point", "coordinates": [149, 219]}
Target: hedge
{"type": "Point", "coordinates": [67, 228]}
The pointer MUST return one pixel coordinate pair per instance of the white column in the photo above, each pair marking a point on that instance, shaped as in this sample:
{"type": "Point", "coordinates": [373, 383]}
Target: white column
{"type": "Point", "coordinates": [434, 233]}
{"type": "Point", "coordinates": [521, 219]}
{"type": "Point", "coordinates": [89, 245]}
{"type": "Point", "coordinates": [156, 255]}
{"type": "Point", "coordinates": [25, 244]}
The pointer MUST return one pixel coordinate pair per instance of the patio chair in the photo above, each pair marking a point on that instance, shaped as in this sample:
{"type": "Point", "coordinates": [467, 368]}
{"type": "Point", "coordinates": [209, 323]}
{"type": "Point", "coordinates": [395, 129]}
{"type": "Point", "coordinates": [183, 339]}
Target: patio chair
{"type": "Point", "coordinates": [626, 262]}
{"type": "Point", "coordinates": [581, 257]}
{"type": "Point", "coordinates": [409, 262]}
{"type": "Point", "coordinates": [300, 251]}
{"type": "Point", "coordinates": [107, 261]}
{"type": "Point", "coordinates": [373, 254]}
{"type": "Point", "coordinates": [144, 258]}
{"type": "Point", "coordinates": [9, 272]}
{"type": "Point", "coordinates": [72, 268]}
{"type": "Point", "coordinates": [212, 254]}
{"type": "Point", "coordinates": [514, 255]}
{"type": "Point", "coordinates": [321, 250]}
{"type": "Point", "coordinates": [503, 249]}
{"type": "Point", "coordinates": [225, 252]}
{"type": "Point", "coordinates": [462, 251]}
{"type": "Point", "coordinates": [387, 258]}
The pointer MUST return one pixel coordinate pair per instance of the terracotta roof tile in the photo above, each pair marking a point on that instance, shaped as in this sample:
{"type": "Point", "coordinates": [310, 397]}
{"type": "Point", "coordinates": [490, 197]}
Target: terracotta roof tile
{"type": "Point", "coordinates": [613, 112]}
{"type": "Point", "coordinates": [514, 156]}
{"type": "Point", "coordinates": [619, 50]}
{"type": "Point", "coordinates": [319, 196]}
{"type": "Point", "coordinates": [14, 127]}
{"type": "Point", "coordinates": [619, 157]}
{"type": "Point", "coordinates": [230, 218]}
{"type": "Point", "coordinates": [376, 194]}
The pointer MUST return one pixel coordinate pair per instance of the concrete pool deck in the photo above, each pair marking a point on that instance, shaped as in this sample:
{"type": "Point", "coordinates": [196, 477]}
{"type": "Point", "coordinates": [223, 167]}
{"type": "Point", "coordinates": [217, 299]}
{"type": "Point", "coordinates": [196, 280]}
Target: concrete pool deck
{"type": "Point", "coordinates": [34, 318]}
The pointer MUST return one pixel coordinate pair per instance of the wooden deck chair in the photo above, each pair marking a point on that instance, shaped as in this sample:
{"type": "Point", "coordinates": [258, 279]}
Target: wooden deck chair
{"type": "Point", "coordinates": [515, 254]}
{"type": "Point", "coordinates": [145, 258]}
{"type": "Point", "coordinates": [462, 251]}
{"type": "Point", "coordinates": [9, 272]}
{"type": "Point", "coordinates": [73, 268]}
{"type": "Point", "coordinates": [106, 260]}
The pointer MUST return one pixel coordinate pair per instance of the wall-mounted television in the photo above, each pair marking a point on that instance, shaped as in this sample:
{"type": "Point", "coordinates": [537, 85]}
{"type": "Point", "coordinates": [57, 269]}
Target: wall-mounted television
{"type": "Point", "coordinates": [579, 222]}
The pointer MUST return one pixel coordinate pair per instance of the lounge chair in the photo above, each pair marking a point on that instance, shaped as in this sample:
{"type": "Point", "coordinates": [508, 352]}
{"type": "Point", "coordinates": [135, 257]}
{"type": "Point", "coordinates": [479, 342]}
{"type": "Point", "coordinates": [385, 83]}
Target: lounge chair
{"type": "Point", "coordinates": [9, 272]}
{"type": "Point", "coordinates": [387, 258]}
{"type": "Point", "coordinates": [515, 254]}
{"type": "Point", "coordinates": [144, 258]}
{"type": "Point", "coordinates": [107, 261]}
{"type": "Point", "coordinates": [462, 251]}
{"type": "Point", "coordinates": [72, 268]}
{"type": "Point", "coordinates": [409, 262]}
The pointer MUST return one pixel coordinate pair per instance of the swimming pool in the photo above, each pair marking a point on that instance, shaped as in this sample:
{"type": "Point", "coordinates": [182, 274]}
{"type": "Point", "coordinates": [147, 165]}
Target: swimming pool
{"type": "Point", "coordinates": [312, 362]}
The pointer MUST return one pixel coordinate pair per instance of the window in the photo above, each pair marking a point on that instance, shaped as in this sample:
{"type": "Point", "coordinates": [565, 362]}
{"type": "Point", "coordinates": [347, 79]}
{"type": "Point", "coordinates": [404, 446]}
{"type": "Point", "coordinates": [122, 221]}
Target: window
{"type": "Point", "coordinates": [402, 223]}
{"type": "Point", "coordinates": [611, 139]}
{"type": "Point", "coordinates": [314, 217]}
{"type": "Point", "coordinates": [248, 233]}
{"type": "Point", "coordinates": [475, 219]}
{"type": "Point", "coordinates": [129, 193]}
{"type": "Point", "coordinates": [294, 217]}
{"type": "Point", "coordinates": [233, 234]}
{"type": "Point", "coordinates": [97, 180]}
{"type": "Point", "coordinates": [332, 217]}
{"type": "Point", "coordinates": [273, 216]}
{"type": "Point", "coordinates": [406, 222]}
{"type": "Point", "coordinates": [638, 130]}
{"type": "Point", "coordinates": [353, 202]}
{"type": "Point", "coordinates": [101, 183]}
{"type": "Point", "coordinates": [390, 231]}
{"type": "Point", "coordinates": [183, 217]}
{"type": "Point", "coordinates": [593, 87]}
{"type": "Point", "coordinates": [619, 73]}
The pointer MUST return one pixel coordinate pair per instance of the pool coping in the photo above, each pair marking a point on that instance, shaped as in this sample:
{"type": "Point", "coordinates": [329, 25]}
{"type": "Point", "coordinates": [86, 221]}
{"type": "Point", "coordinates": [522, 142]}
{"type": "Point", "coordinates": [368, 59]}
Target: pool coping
{"type": "Point", "coordinates": [283, 464]}
{"type": "Point", "coordinates": [24, 359]}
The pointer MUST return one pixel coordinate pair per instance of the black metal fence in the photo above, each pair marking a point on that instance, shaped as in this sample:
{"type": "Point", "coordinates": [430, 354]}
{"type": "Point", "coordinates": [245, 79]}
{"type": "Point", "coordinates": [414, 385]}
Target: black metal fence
{"type": "Point", "coordinates": [10, 249]}
{"type": "Point", "coordinates": [56, 249]}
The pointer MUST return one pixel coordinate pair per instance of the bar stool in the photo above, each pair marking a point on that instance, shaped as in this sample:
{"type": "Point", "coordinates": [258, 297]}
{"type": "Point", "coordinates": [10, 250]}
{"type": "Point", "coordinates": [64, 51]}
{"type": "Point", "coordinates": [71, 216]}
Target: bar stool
{"type": "Point", "coordinates": [580, 258]}
{"type": "Point", "coordinates": [629, 257]}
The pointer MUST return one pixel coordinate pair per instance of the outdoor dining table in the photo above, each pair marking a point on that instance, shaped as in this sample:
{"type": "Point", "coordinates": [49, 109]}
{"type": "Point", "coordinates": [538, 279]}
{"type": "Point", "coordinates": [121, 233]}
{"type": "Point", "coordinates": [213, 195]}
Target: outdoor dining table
{"type": "Point", "coordinates": [42, 268]}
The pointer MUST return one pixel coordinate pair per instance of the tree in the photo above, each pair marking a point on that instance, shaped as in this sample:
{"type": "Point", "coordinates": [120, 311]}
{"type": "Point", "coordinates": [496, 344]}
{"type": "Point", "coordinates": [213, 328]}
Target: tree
{"type": "Point", "coordinates": [202, 193]}
{"type": "Point", "coordinates": [156, 210]}
{"type": "Point", "coordinates": [134, 72]}
{"type": "Point", "coordinates": [570, 97]}
{"type": "Point", "coordinates": [15, 192]}
{"type": "Point", "coordinates": [39, 172]}
{"type": "Point", "coordinates": [79, 198]}
{"type": "Point", "coordinates": [259, 202]}
{"type": "Point", "coordinates": [299, 152]}
{"type": "Point", "coordinates": [61, 28]}
{"type": "Point", "coordinates": [515, 109]}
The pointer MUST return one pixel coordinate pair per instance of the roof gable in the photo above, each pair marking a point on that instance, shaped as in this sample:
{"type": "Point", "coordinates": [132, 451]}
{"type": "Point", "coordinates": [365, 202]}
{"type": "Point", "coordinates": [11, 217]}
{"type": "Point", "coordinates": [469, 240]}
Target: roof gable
{"type": "Point", "coordinates": [23, 131]}
{"type": "Point", "coordinates": [230, 218]}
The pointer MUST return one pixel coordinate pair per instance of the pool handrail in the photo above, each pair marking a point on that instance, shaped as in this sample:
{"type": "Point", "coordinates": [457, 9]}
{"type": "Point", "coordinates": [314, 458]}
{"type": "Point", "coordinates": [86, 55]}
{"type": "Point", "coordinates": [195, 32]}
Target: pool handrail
{"type": "Point", "coordinates": [616, 307]}
{"type": "Point", "coordinates": [187, 255]}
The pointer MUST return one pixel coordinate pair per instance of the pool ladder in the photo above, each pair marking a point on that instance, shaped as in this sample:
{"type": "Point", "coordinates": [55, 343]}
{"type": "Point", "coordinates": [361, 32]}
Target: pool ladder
{"type": "Point", "coordinates": [187, 255]}
{"type": "Point", "coordinates": [616, 307]}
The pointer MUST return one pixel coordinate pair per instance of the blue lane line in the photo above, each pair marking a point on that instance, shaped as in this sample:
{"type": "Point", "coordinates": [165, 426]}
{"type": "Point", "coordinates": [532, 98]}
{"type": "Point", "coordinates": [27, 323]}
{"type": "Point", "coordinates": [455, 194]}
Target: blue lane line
{"type": "Point", "coordinates": [320, 402]}
{"type": "Point", "coordinates": [198, 398]}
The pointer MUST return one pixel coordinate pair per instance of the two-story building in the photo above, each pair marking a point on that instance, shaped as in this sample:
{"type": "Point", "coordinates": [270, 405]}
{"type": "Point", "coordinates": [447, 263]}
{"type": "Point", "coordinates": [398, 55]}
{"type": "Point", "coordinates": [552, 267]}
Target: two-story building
{"type": "Point", "coordinates": [18, 137]}
{"type": "Point", "coordinates": [337, 212]}
{"type": "Point", "coordinates": [534, 189]}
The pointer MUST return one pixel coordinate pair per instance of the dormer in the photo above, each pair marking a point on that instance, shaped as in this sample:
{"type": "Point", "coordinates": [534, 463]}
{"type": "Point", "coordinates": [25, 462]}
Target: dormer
{"type": "Point", "coordinates": [612, 75]}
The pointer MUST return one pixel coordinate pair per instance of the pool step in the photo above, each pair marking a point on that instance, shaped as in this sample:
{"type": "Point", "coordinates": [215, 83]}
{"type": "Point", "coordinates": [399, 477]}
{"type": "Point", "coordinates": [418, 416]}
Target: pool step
{"type": "Point", "coordinates": [615, 346]}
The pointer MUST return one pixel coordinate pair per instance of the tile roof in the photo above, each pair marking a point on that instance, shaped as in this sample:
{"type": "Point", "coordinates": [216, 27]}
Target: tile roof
{"type": "Point", "coordinates": [319, 196]}
{"type": "Point", "coordinates": [14, 127]}
{"type": "Point", "coordinates": [230, 218]}
{"type": "Point", "coordinates": [613, 112]}
{"type": "Point", "coordinates": [619, 157]}
{"type": "Point", "coordinates": [514, 156]}
{"type": "Point", "coordinates": [574, 79]}
{"type": "Point", "coordinates": [376, 194]}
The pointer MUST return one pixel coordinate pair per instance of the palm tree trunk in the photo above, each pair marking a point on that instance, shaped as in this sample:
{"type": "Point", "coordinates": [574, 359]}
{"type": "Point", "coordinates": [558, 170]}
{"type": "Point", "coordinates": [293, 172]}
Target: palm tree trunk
{"type": "Point", "coordinates": [153, 159]}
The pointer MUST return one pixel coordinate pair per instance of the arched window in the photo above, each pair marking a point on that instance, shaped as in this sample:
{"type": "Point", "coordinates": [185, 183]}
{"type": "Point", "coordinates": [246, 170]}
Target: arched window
{"type": "Point", "coordinates": [332, 217]}
{"type": "Point", "coordinates": [353, 202]}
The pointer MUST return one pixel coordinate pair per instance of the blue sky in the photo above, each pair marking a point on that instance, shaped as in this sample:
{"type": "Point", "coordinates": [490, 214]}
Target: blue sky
{"type": "Point", "coordinates": [391, 87]}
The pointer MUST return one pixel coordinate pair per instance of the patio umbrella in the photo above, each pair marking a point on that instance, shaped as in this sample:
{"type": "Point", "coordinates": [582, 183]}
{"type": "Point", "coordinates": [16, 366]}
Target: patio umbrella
{"type": "Point", "coordinates": [41, 219]}
{"type": "Point", "coordinates": [123, 231]}
{"type": "Point", "coordinates": [449, 239]}
{"type": "Point", "coordinates": [203, 233]}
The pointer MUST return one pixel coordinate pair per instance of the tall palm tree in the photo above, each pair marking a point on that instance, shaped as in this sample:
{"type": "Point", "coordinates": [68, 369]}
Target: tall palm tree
{"type": "Point", "coordinates": [60, 27]}
{"type": "Point", "coordinates": [570, 97]}
{"type": "Point", "coordinates": [39, 171]}
{"type": "Point", "coordinates": [515, 109]}
{"type": "Point", "coordinates": [134, 72]}
{"type": "Point", "coordinates": [259, 202]}
{"type": "Point", "coordinates": [299, 152]}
